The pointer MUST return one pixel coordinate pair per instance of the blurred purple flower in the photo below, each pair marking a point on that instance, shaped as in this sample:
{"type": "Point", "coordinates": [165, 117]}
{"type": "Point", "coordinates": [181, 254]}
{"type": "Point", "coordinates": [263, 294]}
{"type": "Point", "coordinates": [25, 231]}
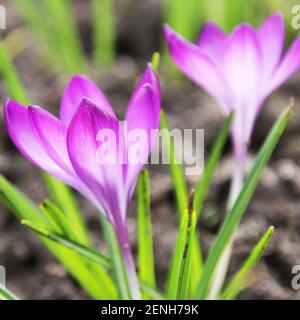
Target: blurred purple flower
{"type": "Point", "coordinates": [67, 147]}
{"type": "Point", "coordinates": [239, 70]}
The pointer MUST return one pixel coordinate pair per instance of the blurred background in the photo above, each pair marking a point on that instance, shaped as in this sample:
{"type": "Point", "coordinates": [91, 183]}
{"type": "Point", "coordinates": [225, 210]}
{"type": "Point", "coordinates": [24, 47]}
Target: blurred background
{"type": "Point", "coordinates": [111, 42]}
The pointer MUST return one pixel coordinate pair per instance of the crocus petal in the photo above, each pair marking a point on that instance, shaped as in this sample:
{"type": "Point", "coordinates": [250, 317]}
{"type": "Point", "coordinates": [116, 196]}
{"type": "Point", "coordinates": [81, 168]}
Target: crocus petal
{"type": "Point", "coordinates": [142, 122]}
{"type": "Point", "coordinates": [243, 66]}
{"type": "Point", "coordinates": [81, 87]}
{"type": "Point", "coordinates": [84, 145]}
{"type": "Point", "coordinates": [289, 65]}
{"type": "Point", "coordinates": [22, 134]}
{"type": "Point", "coordinates": [212, 41]}
{"type": "Point", "coordinates": [52, 134]}
{"type": "Point", "coordinates": [271, 36]}
{"type": "Point", "coordinates": [192, 61]}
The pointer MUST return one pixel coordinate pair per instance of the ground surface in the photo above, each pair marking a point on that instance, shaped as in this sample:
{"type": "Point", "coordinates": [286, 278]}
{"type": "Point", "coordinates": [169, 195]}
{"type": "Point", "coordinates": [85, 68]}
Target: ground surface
{"type": "Point", "coordinates": [32, 272]}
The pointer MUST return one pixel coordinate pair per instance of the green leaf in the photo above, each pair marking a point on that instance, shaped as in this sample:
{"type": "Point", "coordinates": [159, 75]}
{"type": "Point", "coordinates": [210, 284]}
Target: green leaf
{"type": "Point", "coordinates": [24, 208]}
{"type": "Point", "coordinates": [11, 78]}
{"type": "Point", "coordinates": [181, 193]}
{"type": "Point", "coordinates": [59, 220]}
{"type": "Point", "coordinates": [66, 202]}
{"type": "Point", "coordinates": [237, 282]}
{"type": "Point", "coordinates": [155, 60]}
{"type": "Point", "coordinates": [83, 250]}
{"type": "Point", "coordinates": [5, 294]}
{"type": "Point", "coordinates": [104, 23]}
{"type": "Point", "coordinates": [211, 164]}
{"type": "Point", "coordinates": [66, 33]}
{"type": "Point", "coordinates": [151, 292]}
{"type": "Point", "coordinates": [146, 265]}
{"type": "Point", "coordinates": [19, 203]}
{"type": "Point", "coordinates": [87, 252]}
{"type": "Point", "coordinates": [236, 213]}
{"type": "Point", "coordinates": [181, 267]}
{"type": "Point", "coordinates": [202, 189]}
{"type": "Point", "coordinates": [53, 23]}
{"type": "Point", "coordinates": [118, 268]}
{"type": "Point", "coordinates": [62, 224]}
{"type": "Point", "coordinates": [178, 179]}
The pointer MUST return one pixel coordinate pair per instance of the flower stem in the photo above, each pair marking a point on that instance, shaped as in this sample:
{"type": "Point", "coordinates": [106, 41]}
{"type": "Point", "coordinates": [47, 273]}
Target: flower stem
{"type": "Point", "coordinates": [129, 266]}
{"type": "Point", "coordinates": [238, 174]}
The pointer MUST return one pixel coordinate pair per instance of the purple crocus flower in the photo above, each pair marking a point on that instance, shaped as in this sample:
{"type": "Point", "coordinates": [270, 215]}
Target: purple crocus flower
{"type": "Point", "coordinates": [239, 70]}
{"type": "Point", "coordinates": [69, 147]}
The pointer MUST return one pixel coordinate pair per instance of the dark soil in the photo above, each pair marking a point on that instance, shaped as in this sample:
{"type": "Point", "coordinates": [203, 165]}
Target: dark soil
{"type": "Point", "coordinates": [32, 273]}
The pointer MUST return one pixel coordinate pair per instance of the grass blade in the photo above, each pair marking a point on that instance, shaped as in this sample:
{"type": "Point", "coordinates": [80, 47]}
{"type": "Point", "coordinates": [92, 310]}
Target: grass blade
{"type": "Point", "coordinates": [66, 34]}
{"type": "Point", "coordinates": [181, 194]}
{"type": "Point", "coordinates": [178, 179]}
{"type": "Point", "coordinates": [65, 200]}
{"type": "Point", "coordinates": [16, 201]}
{"type": "Point", "coordinates": [181, 267]}
{"type": "Point", "coordinates": [60, 221]}
{"type": "Point", "coordinates": [103, 12]}
{"type": "Point", "coordinates": [155, 61]}
{"type": "Point", "coordinates": [11, 78]}
{"type": "Point", "coordinates": [145, 243]}
{"type": "Point", "coordinates": [87, 252]}
{"type": "Point", "coordinates": [83, 250]}
{"type": "Point", "coordinates": [5, 294]}
{"type": "Point", "coordinates": [237, 282]}
{"type": "Point", "coordinates": [24, 208]}
{"type": "Point", "coordinates": [54, 26]}
{"type": "Point", "coordinates": [236, 213]}
{"type": "Point", "coordinates": [204, 182]}
{"type": "Point", "coordinates": [62, 224]}
{"type": "Point", "coordinates": [150, 292]}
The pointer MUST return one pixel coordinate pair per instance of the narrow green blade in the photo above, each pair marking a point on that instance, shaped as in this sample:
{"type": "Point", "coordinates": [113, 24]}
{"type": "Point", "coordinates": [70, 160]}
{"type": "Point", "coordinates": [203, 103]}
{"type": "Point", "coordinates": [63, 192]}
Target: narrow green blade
{"type": "Point", "coordinates": [178, 179]}
{"type": "Point", "coordinates": [24, 208]}
{"type": "Point", "coordinates": [237, 282]}
{"type": "Point", "coordinates": [66, 34]}
{"type": "Point", "coordinates": [181, 193]}
{"type": "Point", "coordinates": [146, 265]}
{"type": "Point", "coordinates": [155, 61]}
{"type": "Point", "coordinates": [211, 164]}
{"type": "Point", "coordinates": [11, 78]}
{"type": "Point", "coordinates": [236, 213]}
{"type": "Point", "coordinates": [33, 15]}
{"type": "Point", "coordinates": [181, 267]}
{"type": "Point", "coordinates": [202, 189]}
{"type": "Point", "coordinates": [66, 202]}
{"type": "Point", "coordinates": [5, 294]}
{"type": "Point", "coordinates": [104, 23]}
{"type": "Point", "coordinates": [150, 292]}
{"type": "Point", "coordinates": [19, 203]}
{"type": "Point", "coordinates": [83, 250]}
{"type": "Point", "coordinates": [87, 252]}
